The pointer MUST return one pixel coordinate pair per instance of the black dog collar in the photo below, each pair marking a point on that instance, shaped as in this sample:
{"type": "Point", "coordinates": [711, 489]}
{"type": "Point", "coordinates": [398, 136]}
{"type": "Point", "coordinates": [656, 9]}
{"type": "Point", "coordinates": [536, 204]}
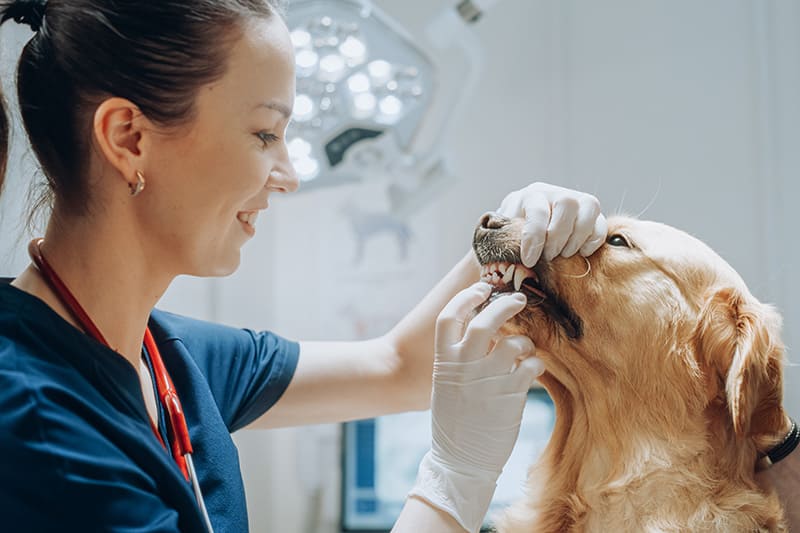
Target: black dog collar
{"type": "Point", "coordinates": [786, 447]}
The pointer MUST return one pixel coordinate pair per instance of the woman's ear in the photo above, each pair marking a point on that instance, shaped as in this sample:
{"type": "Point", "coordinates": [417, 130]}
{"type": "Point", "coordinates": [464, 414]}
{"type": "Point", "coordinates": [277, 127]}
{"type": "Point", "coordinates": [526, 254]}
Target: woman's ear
{"type": "Point", "coordinates": [738, 340]}
{"type": "Point", "coordinates": [118, 130]}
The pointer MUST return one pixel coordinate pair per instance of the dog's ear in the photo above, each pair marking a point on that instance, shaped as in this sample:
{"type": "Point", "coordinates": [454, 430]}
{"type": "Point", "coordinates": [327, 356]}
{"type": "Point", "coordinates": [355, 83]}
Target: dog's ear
{"type": "Point", "coordinates": [738, 340]}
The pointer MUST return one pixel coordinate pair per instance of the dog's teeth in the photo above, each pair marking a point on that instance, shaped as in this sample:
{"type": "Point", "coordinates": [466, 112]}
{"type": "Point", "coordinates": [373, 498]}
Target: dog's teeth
{"type": "Point", "coordinates": [509, 274]}
{"type": "Point", "coordinates": [519, 277]}
{"type": "Point", "coordinates": [495, 278]}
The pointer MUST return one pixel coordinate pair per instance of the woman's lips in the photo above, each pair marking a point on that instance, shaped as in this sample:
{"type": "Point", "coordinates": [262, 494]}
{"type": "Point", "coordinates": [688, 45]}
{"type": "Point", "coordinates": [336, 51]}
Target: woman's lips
{"type": "Point", "coordinates": [248, 221]}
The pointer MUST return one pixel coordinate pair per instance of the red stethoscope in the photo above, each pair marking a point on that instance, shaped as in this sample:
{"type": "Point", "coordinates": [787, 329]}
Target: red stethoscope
{"type": "Point", "coordinates": [176, 421]}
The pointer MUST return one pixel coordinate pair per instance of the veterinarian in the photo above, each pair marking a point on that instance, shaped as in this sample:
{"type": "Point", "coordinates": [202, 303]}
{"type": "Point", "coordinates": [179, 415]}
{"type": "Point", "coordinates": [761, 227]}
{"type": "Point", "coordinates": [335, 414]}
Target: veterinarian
{"type": "Point", "coordinates": [159, 127]}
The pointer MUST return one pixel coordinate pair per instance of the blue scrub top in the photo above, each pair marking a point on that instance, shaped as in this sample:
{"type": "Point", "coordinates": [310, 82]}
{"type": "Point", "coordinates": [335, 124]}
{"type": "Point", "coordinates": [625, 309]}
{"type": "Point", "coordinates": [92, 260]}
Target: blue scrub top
{"type": "Point", "coordinates": [77, 452]}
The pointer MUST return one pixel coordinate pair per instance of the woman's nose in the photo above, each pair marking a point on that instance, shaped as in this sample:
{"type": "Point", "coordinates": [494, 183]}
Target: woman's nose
{"type": "Point", "coordinates": [492, 220]}
{"type": "Point", "coordinates": [284, 179]}
{"type": "Point", "coordinates": [283, 176]}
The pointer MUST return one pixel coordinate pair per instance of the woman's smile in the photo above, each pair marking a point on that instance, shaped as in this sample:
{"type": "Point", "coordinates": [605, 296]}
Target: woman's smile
{"type": "Point", "coordinates": [248, 221]}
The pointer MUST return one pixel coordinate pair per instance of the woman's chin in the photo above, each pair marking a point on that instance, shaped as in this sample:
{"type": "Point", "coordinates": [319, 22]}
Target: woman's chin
{"type": "Point", "coordinates": [220, 268]}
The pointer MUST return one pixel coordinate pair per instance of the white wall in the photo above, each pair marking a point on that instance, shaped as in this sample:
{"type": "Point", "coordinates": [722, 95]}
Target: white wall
{"type": "Point", "coordinates": [686, 109]}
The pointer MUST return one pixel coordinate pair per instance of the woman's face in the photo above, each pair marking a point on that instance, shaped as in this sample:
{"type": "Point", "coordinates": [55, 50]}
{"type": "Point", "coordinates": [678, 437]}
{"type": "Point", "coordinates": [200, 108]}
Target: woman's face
{"type": "Point", "coordinates": [210, 182]}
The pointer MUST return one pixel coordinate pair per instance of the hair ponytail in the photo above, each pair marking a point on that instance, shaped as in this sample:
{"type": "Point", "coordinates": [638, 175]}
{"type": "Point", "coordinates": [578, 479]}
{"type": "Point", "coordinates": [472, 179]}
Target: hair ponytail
{"type": "Point", "coordinates": [30, 12]}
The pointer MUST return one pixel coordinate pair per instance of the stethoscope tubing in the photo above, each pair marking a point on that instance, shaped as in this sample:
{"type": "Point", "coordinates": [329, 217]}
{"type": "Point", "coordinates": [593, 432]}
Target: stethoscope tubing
{"type": "Point", "coordinates": [198, 494]}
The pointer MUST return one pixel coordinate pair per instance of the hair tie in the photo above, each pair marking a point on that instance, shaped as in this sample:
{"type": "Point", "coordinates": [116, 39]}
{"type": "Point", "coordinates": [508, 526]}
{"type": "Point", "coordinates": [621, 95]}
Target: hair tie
{"type": "Point", "coordinates": [30, 12]}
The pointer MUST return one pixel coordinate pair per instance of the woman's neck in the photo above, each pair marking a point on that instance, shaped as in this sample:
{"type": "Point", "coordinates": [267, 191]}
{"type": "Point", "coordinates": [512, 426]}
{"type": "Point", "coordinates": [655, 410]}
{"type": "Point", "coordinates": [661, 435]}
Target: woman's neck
{"type": "Point", "coordinates": [110, 273]}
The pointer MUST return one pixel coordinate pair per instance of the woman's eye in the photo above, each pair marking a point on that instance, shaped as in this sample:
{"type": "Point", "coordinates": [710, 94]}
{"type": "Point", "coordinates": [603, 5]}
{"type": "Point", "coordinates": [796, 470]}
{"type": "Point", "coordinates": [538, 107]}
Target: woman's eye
{"type": "Point", "coordinates": [618, 240]}
{"type": "Point", "coordinates": [266, 137]}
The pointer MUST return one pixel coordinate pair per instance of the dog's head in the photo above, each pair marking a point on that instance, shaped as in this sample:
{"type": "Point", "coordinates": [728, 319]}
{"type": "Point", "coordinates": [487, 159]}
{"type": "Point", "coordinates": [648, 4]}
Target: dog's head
{"type": "Point", "coordinates": [653, 315]}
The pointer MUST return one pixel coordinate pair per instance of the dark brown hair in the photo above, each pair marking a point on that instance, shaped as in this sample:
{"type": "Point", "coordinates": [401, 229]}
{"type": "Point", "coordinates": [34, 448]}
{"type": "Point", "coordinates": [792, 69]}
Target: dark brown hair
{"type": "Point", "coordinates": [157, 54]}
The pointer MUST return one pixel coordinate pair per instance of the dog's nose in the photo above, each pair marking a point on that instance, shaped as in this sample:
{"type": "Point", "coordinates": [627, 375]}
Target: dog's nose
{"type": "Point", "coordinates": [492, 220]}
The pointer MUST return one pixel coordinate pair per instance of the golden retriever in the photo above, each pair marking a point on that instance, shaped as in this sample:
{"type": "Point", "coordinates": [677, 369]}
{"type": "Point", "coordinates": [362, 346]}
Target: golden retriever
{"type": "Point", "coordinates": [666, 374]}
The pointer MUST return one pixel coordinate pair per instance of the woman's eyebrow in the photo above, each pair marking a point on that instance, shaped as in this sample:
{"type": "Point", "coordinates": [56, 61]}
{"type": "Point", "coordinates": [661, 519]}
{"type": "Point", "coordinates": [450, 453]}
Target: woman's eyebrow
{"type": "Point", "coordinates": [283, 109]}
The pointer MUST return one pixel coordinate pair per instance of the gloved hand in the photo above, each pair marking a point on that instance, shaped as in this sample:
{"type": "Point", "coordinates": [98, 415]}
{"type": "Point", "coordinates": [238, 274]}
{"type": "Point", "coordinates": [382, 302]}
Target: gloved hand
{"type": "Point", "coordinates": [479, 390]}
{"type": "Point", "coordinates": [558, 221]}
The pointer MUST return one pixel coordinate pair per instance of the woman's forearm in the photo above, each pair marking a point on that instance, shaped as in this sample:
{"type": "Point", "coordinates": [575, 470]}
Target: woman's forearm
{"type": "Point", "coordinates": [413, 336]}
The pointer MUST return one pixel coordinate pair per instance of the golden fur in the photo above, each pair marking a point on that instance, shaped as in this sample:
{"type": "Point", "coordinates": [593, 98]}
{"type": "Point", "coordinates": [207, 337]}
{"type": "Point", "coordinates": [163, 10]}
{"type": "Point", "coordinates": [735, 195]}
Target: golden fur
{"type": "Point", "coordinates": [665, 400]}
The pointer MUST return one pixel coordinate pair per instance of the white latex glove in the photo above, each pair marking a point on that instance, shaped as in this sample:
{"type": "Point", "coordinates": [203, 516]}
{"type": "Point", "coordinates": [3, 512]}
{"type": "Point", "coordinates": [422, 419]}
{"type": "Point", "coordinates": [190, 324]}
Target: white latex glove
{"type": "Point", "coordinates": [478, 397]}
{"type": "Point", "coordinates": [557, 221]}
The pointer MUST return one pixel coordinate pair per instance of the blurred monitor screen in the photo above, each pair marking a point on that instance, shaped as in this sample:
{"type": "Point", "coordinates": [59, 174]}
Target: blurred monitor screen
{"type": "Point", "coordinates": [381, 457]}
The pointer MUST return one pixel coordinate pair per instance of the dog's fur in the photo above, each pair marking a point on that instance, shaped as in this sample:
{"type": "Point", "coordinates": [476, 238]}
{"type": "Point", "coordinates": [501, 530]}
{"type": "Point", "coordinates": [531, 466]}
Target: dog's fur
{"type": "Point", "coordinates": [666, 397]}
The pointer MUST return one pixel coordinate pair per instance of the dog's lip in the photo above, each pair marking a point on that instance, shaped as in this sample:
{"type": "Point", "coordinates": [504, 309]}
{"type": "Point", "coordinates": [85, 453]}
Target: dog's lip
{"type": "Point", "coordinates": [534, 287]}
{"type": "Point", "coordinates": [558, 310]}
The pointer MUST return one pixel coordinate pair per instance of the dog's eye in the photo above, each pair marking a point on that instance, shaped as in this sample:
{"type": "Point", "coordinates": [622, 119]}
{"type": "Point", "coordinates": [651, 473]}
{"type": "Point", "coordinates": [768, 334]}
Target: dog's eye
{"type": "Point", "coordinates": [618, 240]}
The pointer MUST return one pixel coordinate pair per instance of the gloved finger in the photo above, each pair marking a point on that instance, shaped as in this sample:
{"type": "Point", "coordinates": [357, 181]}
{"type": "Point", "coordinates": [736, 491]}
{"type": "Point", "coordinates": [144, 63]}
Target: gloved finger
{"type": "Point", "coordinates": [481, 329]}
{"type": "Point", "coordinates": [452, 319]}
{"type": "Point", "coordinates": [527, 372]}
{"type": "Point", "coordinates": [561, 227]}
{"type": "Point", "coordinates": [507, 352]}
{"type": "Point", "coordinates": [500, 362]}
{"type": "Point", "coordinates": [588, 211]}
{"type": "Point", "coordinates": [598, 237]}
{"type": "Point", "coordinates": [511, 206]}
{"type": "Point", "coordinates": [534, 232]}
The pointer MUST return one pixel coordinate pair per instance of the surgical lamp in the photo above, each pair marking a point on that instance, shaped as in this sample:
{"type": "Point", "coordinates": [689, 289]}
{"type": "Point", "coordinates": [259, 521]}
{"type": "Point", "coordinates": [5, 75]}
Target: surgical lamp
{"type": "Point", "coordinates": [371, 103]}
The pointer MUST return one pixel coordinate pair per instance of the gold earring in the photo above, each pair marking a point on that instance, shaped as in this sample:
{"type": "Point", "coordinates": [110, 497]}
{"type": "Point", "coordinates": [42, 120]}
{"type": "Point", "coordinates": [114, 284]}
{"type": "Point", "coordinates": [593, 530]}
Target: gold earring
{"type": "Point", "coordinates": [137, 187]}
